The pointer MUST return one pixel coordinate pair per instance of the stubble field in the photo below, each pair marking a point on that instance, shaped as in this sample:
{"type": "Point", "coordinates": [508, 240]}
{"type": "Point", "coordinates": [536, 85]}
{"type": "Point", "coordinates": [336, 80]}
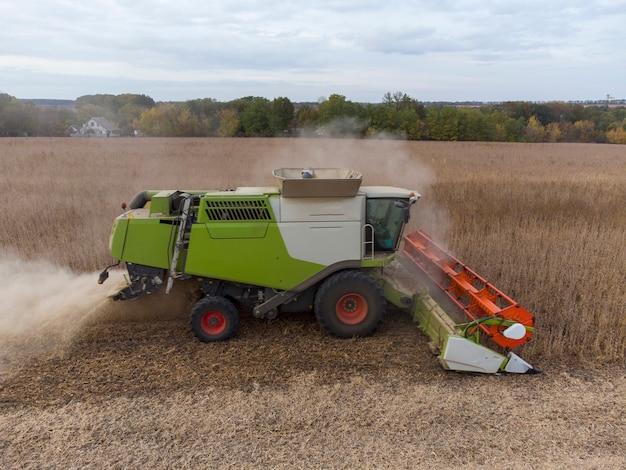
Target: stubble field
{"type": "Point", "coordinates": [85, 382]}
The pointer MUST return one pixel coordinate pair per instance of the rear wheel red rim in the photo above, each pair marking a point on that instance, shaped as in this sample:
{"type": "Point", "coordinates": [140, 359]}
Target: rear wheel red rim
{"type": "Point", "coordinates": [213, 322]}
{"type": "Point", "coordinates": [351, 309]}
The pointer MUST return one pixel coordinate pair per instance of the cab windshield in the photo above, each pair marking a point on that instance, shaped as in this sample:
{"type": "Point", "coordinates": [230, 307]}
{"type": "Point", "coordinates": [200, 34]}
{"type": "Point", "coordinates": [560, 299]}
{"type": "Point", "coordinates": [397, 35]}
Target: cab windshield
{"type": "Point", "coordinates": [387, 217]}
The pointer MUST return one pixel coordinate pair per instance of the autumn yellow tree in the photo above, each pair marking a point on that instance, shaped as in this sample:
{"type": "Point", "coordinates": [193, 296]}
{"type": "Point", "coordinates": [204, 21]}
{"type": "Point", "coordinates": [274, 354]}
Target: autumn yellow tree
{"type": "Point", "coordinates": [617, 135]}
{"type": "Point", "coordinates": [534, 131]}
{"type": "Point", "coordinates": [585, 130]}
{"type": "Point", "coordinates": [169, 120]}
{"type": "Point", "coordinates": [553, 132]}
{"type": "Point", "coordinates": [229, 123]}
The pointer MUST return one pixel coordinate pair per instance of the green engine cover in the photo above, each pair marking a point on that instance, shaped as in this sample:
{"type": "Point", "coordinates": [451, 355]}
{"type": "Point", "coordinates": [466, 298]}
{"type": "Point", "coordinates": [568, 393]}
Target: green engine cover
{"type": "Point", "coordinates": [237, 253]}
{"type": "Point", "coordinates": [138, 238]}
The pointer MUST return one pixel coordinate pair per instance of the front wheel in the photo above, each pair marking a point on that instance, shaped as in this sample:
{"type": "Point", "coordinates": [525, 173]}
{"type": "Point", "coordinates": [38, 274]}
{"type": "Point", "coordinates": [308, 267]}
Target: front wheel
{"type": "Point", "coordinates": [350, 303]}
{"type": "Point", "coordinates": [214, 319]}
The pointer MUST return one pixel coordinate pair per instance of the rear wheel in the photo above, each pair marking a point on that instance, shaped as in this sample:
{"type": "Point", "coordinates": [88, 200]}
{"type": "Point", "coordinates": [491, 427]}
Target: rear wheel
{"type": "Point", "coordinates": [214, 319]}
{"type": "Point", "coordinates": [350, 303]}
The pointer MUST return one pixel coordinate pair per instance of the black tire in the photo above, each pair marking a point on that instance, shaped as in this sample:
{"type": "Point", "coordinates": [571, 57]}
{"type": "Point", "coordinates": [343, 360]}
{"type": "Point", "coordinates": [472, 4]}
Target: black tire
{"type": "Point", "coordinates": [350, 303]}
{"type": "Point", "coordinates": [214, 319]}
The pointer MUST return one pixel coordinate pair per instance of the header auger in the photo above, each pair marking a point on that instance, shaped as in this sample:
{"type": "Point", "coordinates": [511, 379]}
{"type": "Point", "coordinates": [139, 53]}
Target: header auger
{"type": "Point", "coordinates": [321, 242]}
{"type": "Point", "coordinates": [486, 307]}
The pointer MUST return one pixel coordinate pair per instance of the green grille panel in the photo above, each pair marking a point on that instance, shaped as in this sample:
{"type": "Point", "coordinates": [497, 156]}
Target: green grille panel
{"type": "Point", "coordinates": [237, 210]}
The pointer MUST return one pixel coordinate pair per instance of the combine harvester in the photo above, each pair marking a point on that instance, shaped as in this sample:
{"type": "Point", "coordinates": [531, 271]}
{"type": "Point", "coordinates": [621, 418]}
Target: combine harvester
{"type": "Point", "coordinates": [317, 241]}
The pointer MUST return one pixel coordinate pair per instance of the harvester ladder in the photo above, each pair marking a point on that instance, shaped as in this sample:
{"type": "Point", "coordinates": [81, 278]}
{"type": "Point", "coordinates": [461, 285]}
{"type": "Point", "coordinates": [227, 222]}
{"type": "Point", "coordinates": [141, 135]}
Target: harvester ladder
{"type": "Point", "coordinates": [180, 240]}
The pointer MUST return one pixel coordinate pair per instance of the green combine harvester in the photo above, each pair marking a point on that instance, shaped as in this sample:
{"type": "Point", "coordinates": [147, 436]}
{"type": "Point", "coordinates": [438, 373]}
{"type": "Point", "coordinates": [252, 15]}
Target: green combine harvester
{"type": "Point", "coordinates": [317, 241]}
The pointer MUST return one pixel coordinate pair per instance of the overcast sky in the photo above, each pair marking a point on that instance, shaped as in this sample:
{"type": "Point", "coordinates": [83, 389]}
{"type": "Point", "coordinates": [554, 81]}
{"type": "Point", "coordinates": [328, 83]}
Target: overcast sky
{"type": "Point", "coordinates": [433, 50]}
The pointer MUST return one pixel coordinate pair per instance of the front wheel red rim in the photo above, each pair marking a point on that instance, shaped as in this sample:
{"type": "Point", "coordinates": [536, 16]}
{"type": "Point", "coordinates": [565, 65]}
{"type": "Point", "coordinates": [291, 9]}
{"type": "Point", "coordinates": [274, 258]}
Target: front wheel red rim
{"type": "Point", "coordinates": [213, 322]}
{"type": "Point", "coordinates": [351, 309]}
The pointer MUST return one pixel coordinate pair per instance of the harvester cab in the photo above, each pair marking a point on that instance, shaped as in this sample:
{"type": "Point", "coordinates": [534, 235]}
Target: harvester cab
{"type": "Point", "coordinates": [318, 241]}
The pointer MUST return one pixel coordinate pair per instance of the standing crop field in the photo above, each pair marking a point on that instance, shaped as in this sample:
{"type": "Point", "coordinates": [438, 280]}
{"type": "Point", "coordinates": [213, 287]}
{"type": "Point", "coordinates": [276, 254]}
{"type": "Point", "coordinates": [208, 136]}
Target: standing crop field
{"type": "Point", "coordinates": [125, 385]}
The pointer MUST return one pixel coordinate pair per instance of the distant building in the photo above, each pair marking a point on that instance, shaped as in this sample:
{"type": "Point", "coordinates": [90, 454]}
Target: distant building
{"type": "Point", "coordinates": [101, 127]}
{"type": "Point", "coordinates": [73, 130]}
{"type": "Point", "coordinates": [95, 127]}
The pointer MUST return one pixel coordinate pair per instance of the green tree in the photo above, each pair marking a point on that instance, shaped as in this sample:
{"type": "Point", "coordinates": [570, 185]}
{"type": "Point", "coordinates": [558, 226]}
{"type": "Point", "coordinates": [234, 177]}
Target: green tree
{"type": "Point", "coordinates": [17, 119]}
{"type": "Point", "coordinates": [53, 122]}
{"type": "Point", "coordinates": [307, 116]}
{"type": "Point", "coordinates": [401, 101]}
{"type": "Point", "coordinates": [496, 120]}
{"type": "Point", "coordinates": [207, 112]}
{"type": "Point", "coordinates": [127, 116]}
{"type": "Point", "coordinates": [27, 119]}
{"type": "Point", "coordinates": [336, 106]}
{"type": "Point", "coordinates": [255, 119]}
{"type": "Point", "coordinates": [142, 101]}
{"type": "Point", "coordinates": [384, 118]}
{"type": "Point", "coordinates": [473, 125]}
{"type": "Point", "coordinates": [617, 115]}
{"type": "Point", "coordinates": [442, 123]}
{"type": "Point", "coordinates": [398, 114]}
{"type": "Point", "coordinates": [514, 128]}
{"type": "Point", "coordinates": [88, 110]}
{"type": "Point", "coordinates": [5, 100]}
{"type": "Point", "coordinates": [545, 113]}
{"type": "Point", "coordinates": [240, 104]}
{"type": "Point", "coordinates": [115, 102]}
{"type": "Point", "coordinates": [281, 115]}
{"type": "Point", "coordinates": [339, 117]}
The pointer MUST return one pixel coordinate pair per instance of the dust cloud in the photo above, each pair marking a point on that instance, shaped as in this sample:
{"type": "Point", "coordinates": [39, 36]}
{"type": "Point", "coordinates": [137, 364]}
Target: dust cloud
{"type": "Point", "coordinates": [42, 307]}
{"type": "Point", "coordinates": [382, 160]}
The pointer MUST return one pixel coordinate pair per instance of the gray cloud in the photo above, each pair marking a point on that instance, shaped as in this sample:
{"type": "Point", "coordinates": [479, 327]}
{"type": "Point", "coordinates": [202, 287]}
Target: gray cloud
{"type": "Point", "coordinates": [429, 49]}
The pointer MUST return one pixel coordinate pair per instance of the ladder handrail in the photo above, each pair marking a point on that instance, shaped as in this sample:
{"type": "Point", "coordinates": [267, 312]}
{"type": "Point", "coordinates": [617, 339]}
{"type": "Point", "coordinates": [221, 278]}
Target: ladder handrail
{"type": "Point", "coordinates": [365, 242]}
{"type": "Point", "coordinates": [180, 239]}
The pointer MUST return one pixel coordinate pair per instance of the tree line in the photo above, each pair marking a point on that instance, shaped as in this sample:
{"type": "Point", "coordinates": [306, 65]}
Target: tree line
{"type": "Point", "coordinates": [397, 116]}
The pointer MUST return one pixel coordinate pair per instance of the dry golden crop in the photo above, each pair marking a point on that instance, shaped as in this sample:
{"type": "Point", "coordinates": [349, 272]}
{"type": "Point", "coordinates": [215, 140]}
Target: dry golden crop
{"type": "Point", "coordinates": [126, 385]}
{"type": "Point", "coordinates": [544, 222]}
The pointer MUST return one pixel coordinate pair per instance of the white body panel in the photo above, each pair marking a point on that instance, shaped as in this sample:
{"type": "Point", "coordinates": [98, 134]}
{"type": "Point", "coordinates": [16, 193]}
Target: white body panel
{"type": "Point", "coordinates": [462, 354]}
{"type": "Point", "coordinates": [321, 230]}
{"type": "Point", "coordinates": [517, 365]}
{"type": "Point", "coordinates": [339, 209]}
{"type": "Point", "coordinates": [324, 243]}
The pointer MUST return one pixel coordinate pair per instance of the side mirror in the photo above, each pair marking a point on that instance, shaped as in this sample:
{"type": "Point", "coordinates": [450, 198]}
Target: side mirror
{"type": "Point", "coordinates": [406, 206]}
{"type": "Point", "coordinates": [515, 331]}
